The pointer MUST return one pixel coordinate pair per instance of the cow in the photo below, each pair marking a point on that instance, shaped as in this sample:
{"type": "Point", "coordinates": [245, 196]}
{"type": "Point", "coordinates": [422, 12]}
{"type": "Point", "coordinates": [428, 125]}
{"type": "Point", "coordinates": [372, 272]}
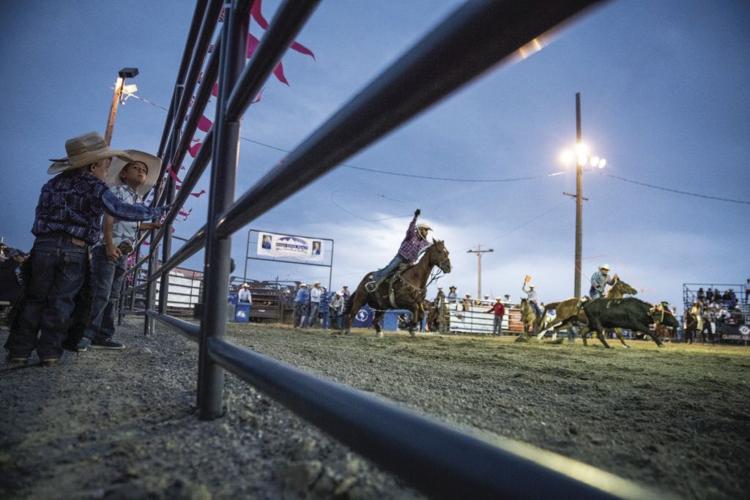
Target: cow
{"type": "Point", "coordinates": [630, 313]}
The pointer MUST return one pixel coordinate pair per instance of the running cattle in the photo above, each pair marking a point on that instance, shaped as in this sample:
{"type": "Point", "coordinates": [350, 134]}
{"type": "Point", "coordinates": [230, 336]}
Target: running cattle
{"type": "Point", "coordinates": [630, 313]}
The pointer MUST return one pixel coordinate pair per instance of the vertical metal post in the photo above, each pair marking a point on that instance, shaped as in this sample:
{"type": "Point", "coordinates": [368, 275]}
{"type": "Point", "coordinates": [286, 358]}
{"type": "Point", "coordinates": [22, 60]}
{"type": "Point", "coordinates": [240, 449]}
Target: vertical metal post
{"type": "Point", "coordinates": [330, 268]}
{"type": "Point", "coordinates": [479, 253]}
{"type": "Point", "coordinates": [579, 202]}
{"type": "Point", "coordinates": [247, 252]}
{"type": "Point", "coordinates": [225, 156]}
{"type": "Point", "coordinates": [166, 249]}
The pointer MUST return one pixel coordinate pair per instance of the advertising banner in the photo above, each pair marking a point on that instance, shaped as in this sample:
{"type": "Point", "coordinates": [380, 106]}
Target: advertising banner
{"type": "Point", "coordinates": [282, 246]}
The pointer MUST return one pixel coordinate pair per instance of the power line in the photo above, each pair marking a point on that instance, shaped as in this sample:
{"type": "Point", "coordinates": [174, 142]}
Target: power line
{"type": "Point", "coordinates": [476, 180]}
{"type": "Point", "coordinates": [678, 191]}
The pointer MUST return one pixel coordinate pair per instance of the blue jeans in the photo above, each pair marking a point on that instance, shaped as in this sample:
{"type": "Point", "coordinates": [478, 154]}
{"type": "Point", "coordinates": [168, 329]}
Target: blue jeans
{"type": "Point", "coordinates": [388, 270]}
{"type": "Point", "coordinates": [58, 269]}
{"type": "Point", "coordinates": [106, 283]}
{"type": "Point", "coordinates": [497, 325]}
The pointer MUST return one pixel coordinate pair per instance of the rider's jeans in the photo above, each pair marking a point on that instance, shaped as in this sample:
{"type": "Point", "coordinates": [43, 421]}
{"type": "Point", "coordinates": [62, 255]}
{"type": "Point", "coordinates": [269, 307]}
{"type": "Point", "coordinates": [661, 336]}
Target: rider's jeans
{"type": "Point", "coordinates": [387, 270]}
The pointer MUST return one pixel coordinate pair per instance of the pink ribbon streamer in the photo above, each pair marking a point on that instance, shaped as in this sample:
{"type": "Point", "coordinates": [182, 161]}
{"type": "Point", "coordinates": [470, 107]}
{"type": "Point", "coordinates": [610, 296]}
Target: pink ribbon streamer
{"type": "Point", "coordinates": [278, 71]}
{"type": "Point", "coordinates": [204, 124]}
{"type": "Point", "coordinates": [193, 150]}
{"type": "Point", "coordinates": [256, 12]}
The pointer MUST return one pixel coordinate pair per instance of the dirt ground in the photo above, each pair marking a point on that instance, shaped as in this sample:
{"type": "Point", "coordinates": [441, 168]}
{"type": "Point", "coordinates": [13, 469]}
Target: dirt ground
{"type": "Point", "coordinates": [121, 424]}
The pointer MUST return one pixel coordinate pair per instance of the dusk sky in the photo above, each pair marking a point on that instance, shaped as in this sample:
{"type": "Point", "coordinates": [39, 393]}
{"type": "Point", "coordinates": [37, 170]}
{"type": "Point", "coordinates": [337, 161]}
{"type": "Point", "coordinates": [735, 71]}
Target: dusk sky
{"type": "Point", "coordinates": [664, 87]}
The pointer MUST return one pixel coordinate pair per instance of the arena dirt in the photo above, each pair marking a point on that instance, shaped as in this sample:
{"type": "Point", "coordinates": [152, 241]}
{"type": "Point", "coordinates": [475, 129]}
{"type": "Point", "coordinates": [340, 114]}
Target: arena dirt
{"type": "Point", "coordinates": [121, 424]}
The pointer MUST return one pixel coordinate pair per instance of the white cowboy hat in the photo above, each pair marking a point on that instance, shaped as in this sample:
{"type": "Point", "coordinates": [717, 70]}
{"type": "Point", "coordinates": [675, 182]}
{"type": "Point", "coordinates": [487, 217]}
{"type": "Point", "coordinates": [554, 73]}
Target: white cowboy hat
{"type": "Point", "coordinates": [605, 267]}
{"type": "Point", "coordinates": [152, 162]}
{"type": "Point", "coordinates": [84, 150]}
{"type": "Point", "coordinates": [303, 284]}
{"type": "Point", "coordinates": [244, 285]}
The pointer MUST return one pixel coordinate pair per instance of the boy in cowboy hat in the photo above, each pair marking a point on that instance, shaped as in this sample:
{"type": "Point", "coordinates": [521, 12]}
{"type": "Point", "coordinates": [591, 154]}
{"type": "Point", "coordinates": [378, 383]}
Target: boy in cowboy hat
{"type": "Point", "coordinates": [130, 181]}
{"type": "Point", "coordinates": [414, 242]}
{"type": "Point", "coordinates": [67, 223]}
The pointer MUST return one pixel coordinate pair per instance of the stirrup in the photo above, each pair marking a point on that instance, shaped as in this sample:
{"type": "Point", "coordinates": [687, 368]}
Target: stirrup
{"type": "Point", "coordinates": [371, 286]}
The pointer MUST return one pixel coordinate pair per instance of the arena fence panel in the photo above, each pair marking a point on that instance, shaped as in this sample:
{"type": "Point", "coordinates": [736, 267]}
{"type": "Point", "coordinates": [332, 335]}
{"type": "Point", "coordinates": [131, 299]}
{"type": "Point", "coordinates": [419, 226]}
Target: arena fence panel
{"type": "Point", "coordinates": [435, 458]}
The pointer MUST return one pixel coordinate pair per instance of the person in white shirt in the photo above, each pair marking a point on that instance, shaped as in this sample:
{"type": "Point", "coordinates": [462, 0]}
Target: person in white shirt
{"type": "Point", "coordinates": [244, 296]}
{"type": "Point", "coordinates": [315, 292]}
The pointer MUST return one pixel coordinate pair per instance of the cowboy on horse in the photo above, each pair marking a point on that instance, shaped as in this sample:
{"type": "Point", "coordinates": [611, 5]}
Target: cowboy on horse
{"type": "Point", "coordinates": [413, 244]}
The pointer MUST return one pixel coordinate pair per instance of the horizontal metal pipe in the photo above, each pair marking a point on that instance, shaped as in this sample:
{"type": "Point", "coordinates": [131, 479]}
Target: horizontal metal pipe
{"type": "Point", "coordinates": [191, 178]}
{"type": "Point", "coordinates": [198, 12]}
{"type": "Point", "coordinates": [194, 244]}
{"type": "Point", "coordinates": [189, 330]}
{"type": "Point", "coordinates": [283, 29]}
{"type": "Point", "coordinates": [439, 460]}
{"type": "Point", "coordinates": [475, 37]}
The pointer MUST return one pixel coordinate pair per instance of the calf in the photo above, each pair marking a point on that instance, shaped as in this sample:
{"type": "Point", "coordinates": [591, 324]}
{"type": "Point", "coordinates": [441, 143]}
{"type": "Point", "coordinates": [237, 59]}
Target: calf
{"type": "Point", "coordinates": [630, 313]}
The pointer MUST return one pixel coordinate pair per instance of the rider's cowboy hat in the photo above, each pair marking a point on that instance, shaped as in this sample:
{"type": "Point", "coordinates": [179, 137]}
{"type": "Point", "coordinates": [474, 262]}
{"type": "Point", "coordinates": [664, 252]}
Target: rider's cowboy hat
{"type": "Point", "coordinates": [605, 267]}
{"type": "Point", "coordinates": [84, 150]}
{"type": "Point", "coordinates": [153, 165]}
{"type": "Point", "coordinates": [423, 226]}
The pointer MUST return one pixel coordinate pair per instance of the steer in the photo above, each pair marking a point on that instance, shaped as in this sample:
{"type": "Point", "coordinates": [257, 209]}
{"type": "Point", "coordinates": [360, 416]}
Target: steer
{"type": "Point", "coordinates": [630, 313]}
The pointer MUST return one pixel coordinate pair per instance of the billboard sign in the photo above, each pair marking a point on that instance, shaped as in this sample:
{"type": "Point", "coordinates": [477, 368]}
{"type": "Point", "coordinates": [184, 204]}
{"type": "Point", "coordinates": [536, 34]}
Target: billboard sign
{"type": "Point", "coordinates": [283, 246]}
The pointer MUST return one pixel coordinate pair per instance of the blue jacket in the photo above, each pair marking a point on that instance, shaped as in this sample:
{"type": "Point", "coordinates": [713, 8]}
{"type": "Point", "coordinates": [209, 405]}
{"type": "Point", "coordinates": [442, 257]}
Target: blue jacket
{"type": "Point", "coordinates": [303, 296]}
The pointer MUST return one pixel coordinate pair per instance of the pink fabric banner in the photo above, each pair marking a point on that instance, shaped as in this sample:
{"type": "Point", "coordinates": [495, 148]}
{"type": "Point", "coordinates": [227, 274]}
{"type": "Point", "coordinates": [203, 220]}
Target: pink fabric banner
{"type": "Point", "coordinates": [204, 124]}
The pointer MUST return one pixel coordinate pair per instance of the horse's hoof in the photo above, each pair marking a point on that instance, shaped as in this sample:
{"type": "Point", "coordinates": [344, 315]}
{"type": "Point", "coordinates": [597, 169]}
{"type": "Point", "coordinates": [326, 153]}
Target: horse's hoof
{"type": "Point", "coordinates": [379, 335]}
{"type": "Point", "coordinates": [626, 347]}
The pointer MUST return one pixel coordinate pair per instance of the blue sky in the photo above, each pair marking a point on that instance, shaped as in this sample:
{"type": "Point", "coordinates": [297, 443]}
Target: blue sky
{"type": "Point", "coordinates": [665, 100]}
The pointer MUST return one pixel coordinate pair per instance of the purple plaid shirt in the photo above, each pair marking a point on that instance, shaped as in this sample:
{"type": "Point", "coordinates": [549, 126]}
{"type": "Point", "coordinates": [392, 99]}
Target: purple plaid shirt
{"type": "Point", "coordinates": [412, 244]}
{"type": "Point", "coordinates": [73, 202]}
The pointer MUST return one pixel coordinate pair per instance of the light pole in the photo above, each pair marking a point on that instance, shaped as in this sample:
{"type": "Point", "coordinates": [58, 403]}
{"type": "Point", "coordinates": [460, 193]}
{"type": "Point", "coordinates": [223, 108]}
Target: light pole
{"type": "Point", "coordinates": [119, 86]}
{"type": "Point", "coordinates": [580, 154]}
{"type": "Point", "coordinates": [479, 253]}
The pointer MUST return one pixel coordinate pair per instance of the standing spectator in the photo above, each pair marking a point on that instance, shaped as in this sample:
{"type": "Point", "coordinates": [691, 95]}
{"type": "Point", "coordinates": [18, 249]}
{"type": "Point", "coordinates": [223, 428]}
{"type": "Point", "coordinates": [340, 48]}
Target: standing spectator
{"type": "Point", "coordinates": [466, 302]}
{"type": "Point", "coordinates": [345, 292]}
{"type": "Point", "coordinates": [499, 310]}
{"type": "Point", "coordinates": [130, 182]}
{"type": "Point", "coordinates": [701, 295]}
{"type": "Point", "coordinates": [452, 296]}
{"type": "Point", "coordinates": [325, 314]}
{"type": "Point", "coordinates": [301, 304]}
{"type": "Point", "coordinates": [244, 296]}
{"type": "Point", "coordinates": [440, 309]}
{"type": "Point", "coordinates": [66, 225]}
{"type": "Point", "coordinates": [315, 293]}
{"type": "Point", "coordinates": [709, 295]}
{"type": "Point", "coordinates": [338, 302]}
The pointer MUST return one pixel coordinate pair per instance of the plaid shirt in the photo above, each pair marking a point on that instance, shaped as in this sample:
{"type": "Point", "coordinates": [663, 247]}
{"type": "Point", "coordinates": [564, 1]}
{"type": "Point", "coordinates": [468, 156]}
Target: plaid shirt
{"type": "Point", "coordinates": [125, 230]}
{"type": "Point", "coordinates": [73, 202]}
{"type": "Point", "coordinates": [412, 244]}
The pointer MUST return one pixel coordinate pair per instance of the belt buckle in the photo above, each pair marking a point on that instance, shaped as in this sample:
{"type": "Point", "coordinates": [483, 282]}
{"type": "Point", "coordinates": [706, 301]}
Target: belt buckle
{"type": "Point", "coordinates": [77, 242]}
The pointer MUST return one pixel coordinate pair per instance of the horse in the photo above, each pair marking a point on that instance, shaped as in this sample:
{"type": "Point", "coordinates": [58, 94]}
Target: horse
{"type": "Point", "coordinates": [570, 311]}
{"type": "Point", "coordinates": [404, 290]}
{"type": "Point", "coordinates": [528, 318]}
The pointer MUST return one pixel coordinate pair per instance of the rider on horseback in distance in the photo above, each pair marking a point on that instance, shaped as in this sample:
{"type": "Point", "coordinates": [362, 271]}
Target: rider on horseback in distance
{"type": "Point", "coordinates": [413, 244]}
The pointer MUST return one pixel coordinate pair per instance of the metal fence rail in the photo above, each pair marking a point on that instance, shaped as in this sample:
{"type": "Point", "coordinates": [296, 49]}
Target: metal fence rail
{"type": "Point", "coordinates": [435, 458]}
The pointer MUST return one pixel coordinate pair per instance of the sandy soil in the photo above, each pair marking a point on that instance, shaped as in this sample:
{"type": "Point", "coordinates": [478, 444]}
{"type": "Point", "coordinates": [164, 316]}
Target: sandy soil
{"type": "Point", "coordinates": [121, 424]}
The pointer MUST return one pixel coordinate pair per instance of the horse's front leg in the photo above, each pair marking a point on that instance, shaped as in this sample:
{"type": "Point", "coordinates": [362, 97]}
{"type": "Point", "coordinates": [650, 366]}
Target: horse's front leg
{"type": "Point", "coordinates": [376, 322]}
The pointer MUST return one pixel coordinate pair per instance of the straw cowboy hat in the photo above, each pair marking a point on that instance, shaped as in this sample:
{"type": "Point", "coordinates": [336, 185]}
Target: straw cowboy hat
{"type": "Point", "coordinates": [424, 226]}
{"type": "Point", "coordinates": [84, 150]}
{"type": "Point", "coordinates": [153, 164]}
{"type": "Point", "coordinates": [605, 267]}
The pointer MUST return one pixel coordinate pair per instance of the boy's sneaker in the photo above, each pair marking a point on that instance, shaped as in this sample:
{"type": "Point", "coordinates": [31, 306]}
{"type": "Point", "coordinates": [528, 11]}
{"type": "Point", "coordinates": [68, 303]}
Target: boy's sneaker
{"type": "Point", "coordinates": [49, 361]}
{"type": "Point", "coordinates": [83, 345]}
{"type": "Point", "coordinates": [16, 361]}
{"type": "Point", "coordinates": [106, 344]}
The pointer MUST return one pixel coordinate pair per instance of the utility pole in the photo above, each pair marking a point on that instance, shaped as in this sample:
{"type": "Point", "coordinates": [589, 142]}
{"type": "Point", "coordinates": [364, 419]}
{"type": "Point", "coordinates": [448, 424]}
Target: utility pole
{"type": "Point", "coordinates": [580, 161]}
{"type": "Point", "coordinates": [119, 84]}
{"type": "Point", "coordinates": [479, 253]}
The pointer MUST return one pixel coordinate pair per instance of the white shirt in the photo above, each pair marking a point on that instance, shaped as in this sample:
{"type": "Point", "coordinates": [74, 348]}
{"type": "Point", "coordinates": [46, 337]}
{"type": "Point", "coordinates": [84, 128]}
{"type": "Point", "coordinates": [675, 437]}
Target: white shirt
{"type": "Point", "coordinates": [245, 296]}
{"type": "Point", "coordinates": [315, 293]}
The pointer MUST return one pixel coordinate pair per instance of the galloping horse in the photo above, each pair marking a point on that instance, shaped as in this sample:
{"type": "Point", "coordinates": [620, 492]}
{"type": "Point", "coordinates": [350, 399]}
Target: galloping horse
{"type": "Point", "coordinates": [528, 318]}
{"type": "Point", "coordinates": [406, 290]}
{"type": "Point", "coordinates": [569, 311]}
